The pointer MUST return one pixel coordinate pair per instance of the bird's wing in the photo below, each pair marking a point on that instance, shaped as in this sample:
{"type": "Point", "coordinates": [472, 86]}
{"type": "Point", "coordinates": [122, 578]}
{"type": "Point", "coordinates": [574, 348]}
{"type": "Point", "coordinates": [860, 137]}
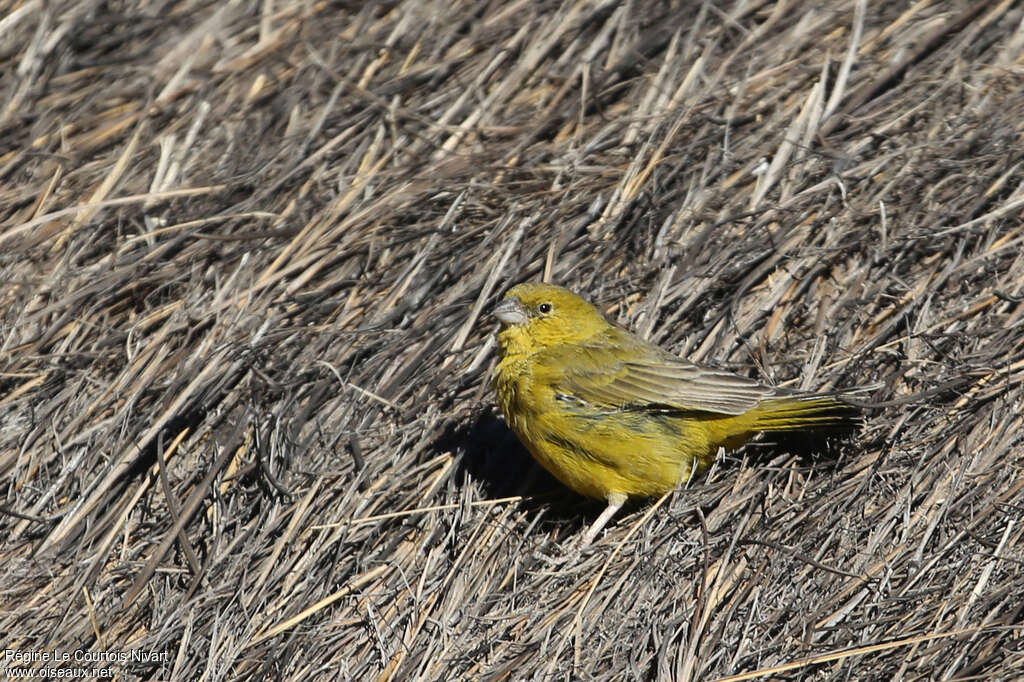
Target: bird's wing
{"type": "Point", "coordinates": [630, 373]}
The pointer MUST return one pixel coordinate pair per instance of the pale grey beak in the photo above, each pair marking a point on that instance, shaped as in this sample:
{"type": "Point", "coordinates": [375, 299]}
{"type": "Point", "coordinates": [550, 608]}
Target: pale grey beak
{"type": "Point", "coordinates": [510, 312]}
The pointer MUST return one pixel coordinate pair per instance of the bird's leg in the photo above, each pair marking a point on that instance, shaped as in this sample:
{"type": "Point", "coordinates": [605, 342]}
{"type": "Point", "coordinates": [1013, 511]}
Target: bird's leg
{"type": "Point", "coordinates": [615, 502]}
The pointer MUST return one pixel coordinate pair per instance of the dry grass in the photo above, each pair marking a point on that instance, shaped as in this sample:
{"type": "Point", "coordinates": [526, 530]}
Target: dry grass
{"type": "Point", "coordinates": [247, 254]}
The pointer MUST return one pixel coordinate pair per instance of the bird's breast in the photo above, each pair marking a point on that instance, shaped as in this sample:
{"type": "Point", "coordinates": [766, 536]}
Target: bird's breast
{"type": "Point", "coordinates": [512, 384]}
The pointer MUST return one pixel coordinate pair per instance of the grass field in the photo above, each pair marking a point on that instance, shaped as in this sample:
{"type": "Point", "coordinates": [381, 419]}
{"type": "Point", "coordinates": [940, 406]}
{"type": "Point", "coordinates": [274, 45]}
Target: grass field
{"type": "Point", "coordinates": [247, 253]}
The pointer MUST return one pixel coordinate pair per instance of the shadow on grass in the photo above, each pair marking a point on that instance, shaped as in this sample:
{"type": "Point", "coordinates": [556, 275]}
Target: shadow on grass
{"type": "Point", "coordinates": [493, 457]}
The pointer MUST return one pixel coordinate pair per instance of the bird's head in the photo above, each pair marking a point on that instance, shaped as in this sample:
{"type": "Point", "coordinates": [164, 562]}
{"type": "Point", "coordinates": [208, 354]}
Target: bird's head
{"type": "Point", "coordinates": [536, 316]}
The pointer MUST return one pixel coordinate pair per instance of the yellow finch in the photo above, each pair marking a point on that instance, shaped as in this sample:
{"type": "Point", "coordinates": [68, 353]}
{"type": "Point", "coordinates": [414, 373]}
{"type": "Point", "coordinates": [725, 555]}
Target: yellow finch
{"type": "Point", "coordinates": [613, 416]}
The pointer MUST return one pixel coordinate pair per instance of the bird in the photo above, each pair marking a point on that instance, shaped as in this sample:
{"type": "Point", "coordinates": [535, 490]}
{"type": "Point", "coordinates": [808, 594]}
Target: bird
{"type": "Point", "coordinates": [615, 417]}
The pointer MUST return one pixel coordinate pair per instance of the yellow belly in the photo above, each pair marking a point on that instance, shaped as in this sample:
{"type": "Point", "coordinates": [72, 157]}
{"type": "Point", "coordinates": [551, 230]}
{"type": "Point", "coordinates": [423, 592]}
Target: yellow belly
{"type": "Point", "coordinates": [627, 452]}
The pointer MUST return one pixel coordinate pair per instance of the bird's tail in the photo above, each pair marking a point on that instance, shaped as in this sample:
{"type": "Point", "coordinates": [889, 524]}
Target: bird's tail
{"type": "Point", "coordinates": [815, 412]}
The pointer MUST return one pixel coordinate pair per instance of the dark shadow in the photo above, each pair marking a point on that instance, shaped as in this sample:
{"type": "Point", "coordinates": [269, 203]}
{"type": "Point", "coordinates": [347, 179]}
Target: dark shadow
{"type": "Point", "coordinates": [493, 456]}
{"type": "Point", "coordinates": [820, 446]}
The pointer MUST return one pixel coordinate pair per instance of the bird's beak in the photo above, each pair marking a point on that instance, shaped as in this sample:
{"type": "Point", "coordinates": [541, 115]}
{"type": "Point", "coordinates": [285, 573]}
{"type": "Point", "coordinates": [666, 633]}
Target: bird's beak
{"type": "Point", "coordinates": [510, 312]}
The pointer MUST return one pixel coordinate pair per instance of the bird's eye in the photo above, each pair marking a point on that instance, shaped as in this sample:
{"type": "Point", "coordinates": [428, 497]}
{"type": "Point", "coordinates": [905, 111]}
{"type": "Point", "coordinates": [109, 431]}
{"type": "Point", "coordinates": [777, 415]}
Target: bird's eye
{"type": "Point", "coordinates": [544, 308]}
